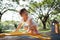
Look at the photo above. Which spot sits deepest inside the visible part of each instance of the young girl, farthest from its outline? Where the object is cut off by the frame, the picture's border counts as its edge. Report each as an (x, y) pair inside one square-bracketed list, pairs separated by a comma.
[(27, 22)]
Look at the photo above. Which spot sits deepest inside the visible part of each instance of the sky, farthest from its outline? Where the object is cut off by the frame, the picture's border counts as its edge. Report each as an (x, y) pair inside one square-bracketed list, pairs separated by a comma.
[(11, 15)]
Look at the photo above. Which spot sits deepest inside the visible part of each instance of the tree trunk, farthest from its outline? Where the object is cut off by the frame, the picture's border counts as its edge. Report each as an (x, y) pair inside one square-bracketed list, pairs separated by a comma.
[(0, 24), (44, 25), (15, 25), (44, 20), (0, 18)]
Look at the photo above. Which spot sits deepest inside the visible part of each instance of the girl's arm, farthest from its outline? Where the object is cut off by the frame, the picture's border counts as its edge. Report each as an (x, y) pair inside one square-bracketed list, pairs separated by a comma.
[(19, 26), (30, 22)]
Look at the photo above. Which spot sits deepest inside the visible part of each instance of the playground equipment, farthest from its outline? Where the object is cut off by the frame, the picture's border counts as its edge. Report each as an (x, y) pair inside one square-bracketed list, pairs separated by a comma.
[(40, 36)]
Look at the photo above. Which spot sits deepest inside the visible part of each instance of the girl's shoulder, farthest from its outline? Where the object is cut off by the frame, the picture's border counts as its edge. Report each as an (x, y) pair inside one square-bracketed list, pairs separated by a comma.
[(21, 20), (30, 17)]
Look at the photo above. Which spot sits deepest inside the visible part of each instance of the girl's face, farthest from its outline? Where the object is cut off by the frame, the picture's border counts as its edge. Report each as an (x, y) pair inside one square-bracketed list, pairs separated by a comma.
[(25, 15)]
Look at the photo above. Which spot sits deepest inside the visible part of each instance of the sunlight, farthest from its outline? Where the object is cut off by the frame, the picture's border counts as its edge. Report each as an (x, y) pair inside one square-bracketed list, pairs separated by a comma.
[(10, 15)]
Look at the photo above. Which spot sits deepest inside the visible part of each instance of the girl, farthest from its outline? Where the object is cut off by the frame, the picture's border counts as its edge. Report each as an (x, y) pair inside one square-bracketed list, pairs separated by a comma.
[(27, 22)]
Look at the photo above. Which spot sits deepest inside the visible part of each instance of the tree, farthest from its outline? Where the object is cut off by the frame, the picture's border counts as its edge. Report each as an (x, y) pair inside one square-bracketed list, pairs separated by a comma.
[(4, 9), (17, 1), (45, 9)]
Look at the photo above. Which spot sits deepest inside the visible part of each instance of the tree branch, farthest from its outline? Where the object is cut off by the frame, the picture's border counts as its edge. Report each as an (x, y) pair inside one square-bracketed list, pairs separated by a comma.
[(3, 9), (10, 10), (52, 5), (4, 12)]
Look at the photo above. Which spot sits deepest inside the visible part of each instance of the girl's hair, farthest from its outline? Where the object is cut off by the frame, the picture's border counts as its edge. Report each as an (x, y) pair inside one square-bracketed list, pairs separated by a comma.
[(22, 10)]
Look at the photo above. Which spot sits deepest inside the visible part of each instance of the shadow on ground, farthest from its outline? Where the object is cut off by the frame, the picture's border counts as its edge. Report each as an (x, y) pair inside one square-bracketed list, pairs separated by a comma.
[(18, 38)]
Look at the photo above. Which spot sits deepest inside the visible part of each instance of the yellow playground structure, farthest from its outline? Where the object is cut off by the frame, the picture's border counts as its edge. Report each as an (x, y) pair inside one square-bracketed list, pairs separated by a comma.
[(40, 36)]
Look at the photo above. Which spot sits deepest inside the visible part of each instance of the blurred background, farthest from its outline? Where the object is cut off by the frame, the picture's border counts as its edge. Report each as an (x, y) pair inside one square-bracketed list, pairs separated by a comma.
[(42, 11)]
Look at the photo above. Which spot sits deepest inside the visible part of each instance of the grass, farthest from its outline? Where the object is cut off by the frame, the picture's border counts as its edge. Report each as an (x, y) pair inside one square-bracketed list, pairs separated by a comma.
[(7, 31), (45, 32)]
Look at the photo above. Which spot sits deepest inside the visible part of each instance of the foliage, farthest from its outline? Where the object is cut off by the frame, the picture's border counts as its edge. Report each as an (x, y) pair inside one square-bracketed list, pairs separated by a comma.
[(1, 26), (45, 9), (5, 7), (8, 26), (17, 1)]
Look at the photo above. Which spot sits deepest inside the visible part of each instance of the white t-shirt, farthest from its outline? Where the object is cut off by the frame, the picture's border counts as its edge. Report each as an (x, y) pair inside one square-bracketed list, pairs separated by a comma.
[(27, 22)]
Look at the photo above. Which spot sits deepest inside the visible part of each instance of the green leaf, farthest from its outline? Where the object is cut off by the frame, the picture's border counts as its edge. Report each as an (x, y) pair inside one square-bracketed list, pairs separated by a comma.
[(23, 0), (17, 1), (55, 12), (31, 9)]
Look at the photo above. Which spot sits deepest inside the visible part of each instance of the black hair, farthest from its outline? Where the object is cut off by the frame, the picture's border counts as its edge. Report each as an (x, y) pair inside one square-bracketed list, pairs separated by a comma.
[(22, 10)]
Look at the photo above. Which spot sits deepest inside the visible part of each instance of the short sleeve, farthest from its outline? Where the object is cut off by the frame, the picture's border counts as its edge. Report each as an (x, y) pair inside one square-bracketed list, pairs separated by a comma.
[(21, 20), (33, 22), (30, 17)]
